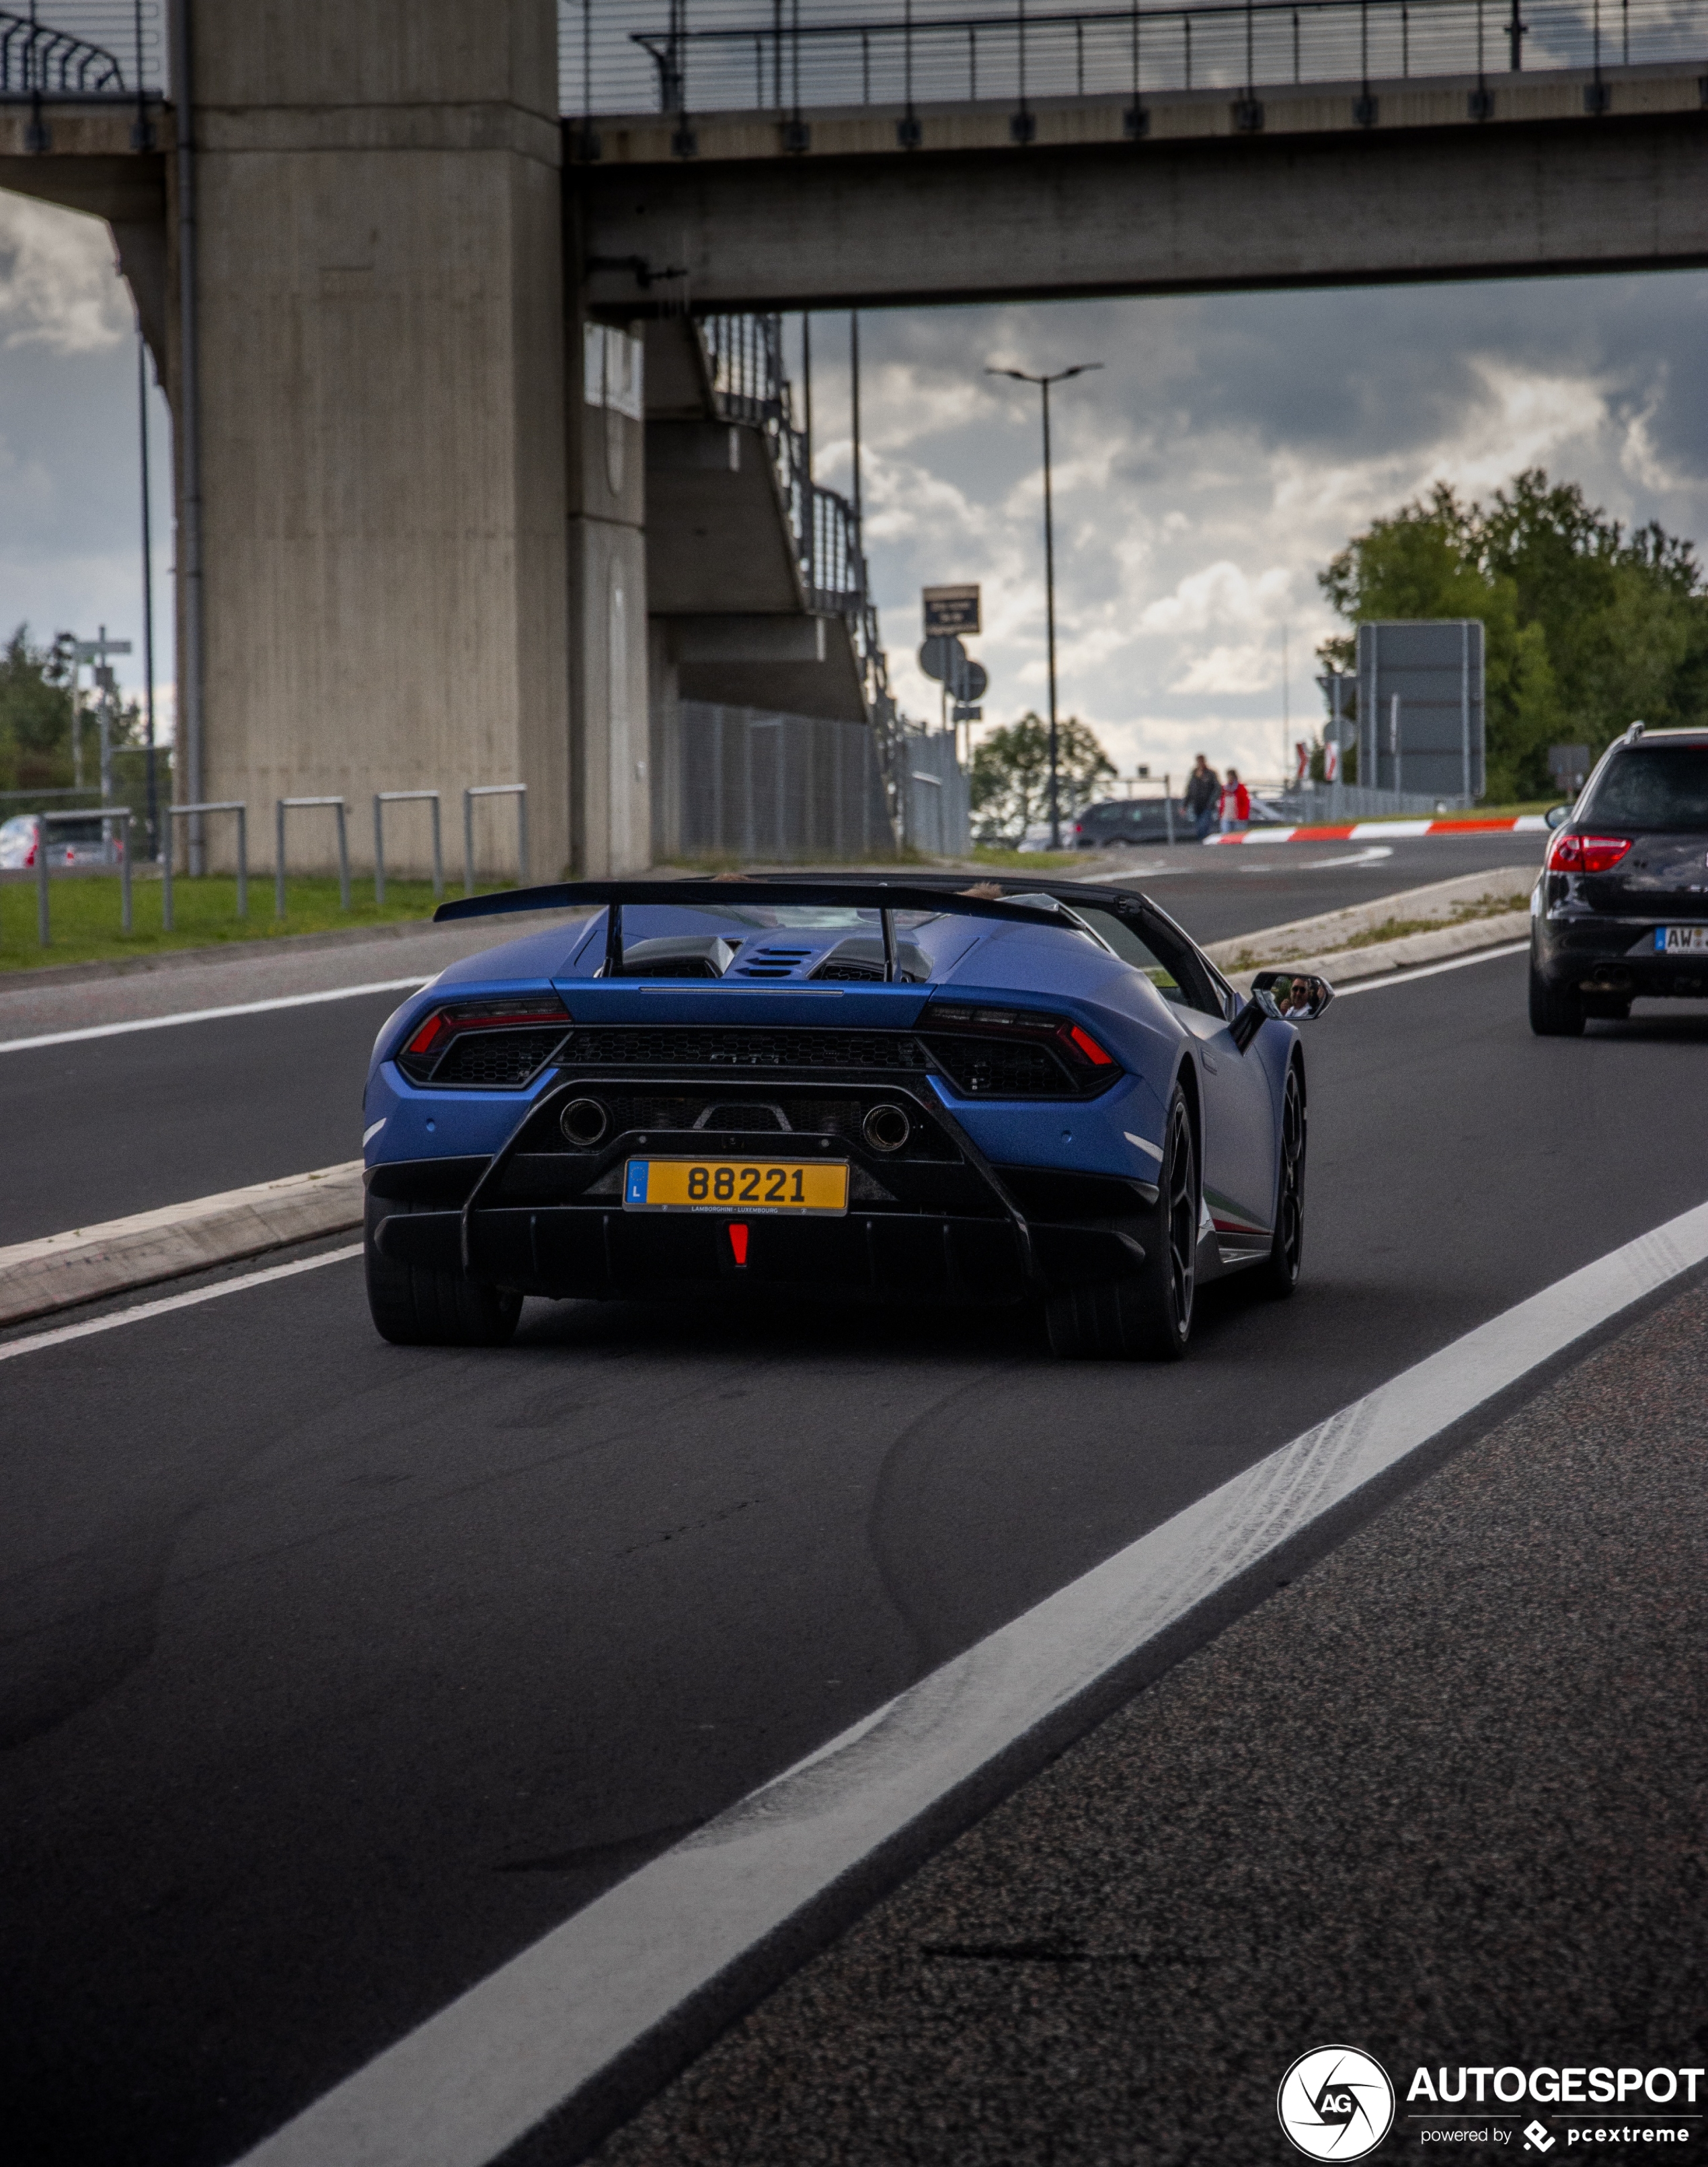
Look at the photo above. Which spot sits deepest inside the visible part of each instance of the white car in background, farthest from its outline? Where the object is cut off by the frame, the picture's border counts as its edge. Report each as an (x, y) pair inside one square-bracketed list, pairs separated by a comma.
[(78, 842)]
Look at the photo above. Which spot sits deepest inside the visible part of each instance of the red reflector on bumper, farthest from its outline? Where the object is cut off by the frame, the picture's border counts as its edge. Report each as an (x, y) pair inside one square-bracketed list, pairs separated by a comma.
[(738, 1246)]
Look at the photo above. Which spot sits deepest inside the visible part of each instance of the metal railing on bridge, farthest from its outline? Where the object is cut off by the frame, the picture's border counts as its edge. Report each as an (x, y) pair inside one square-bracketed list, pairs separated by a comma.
[(82, 49), (721, 56), (744, 355)]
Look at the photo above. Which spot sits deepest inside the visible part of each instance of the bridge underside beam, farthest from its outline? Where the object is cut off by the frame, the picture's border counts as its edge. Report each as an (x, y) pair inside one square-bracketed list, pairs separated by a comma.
[(1214, 213)]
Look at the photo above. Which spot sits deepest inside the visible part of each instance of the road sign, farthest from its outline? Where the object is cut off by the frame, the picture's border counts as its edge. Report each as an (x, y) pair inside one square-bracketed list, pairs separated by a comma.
[(961, 712), (941, 656), (950, 609), (97, 651), (970, 682)]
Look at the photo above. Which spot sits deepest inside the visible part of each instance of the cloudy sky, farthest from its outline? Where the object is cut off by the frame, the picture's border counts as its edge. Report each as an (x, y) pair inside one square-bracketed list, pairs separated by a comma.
[(1226, 448)]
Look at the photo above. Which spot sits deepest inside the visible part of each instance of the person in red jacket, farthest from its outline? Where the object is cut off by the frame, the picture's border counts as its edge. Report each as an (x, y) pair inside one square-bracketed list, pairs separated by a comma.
[(1236, 803)]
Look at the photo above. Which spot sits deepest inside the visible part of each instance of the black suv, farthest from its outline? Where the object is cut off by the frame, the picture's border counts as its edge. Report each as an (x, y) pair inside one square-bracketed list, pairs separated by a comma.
[(1622, 908)]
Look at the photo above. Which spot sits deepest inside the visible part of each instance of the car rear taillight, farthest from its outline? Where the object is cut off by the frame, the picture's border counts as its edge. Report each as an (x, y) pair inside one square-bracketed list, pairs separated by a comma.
[(1068, 1037), (1586, 854), (436, 1030)]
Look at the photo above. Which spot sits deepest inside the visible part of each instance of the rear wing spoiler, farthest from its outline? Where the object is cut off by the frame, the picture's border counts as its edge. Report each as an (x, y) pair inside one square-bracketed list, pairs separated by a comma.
[(982, 899)]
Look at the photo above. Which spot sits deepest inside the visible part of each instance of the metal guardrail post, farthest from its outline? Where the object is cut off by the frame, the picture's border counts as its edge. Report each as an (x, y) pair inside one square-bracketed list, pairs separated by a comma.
[(281, 807), (122, 814), (184, 812), (126, 919), (519, 791), (381, 798)]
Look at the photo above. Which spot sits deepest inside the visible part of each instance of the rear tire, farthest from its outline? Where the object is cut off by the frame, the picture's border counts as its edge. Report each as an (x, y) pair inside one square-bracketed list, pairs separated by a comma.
[(416, 1308), (1147, 1317), (1555, 1011), (1280, 1273)]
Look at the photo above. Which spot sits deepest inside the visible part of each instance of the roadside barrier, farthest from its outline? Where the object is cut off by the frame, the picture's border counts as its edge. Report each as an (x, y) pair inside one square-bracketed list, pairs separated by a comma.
[(381, 798), (175, 812), (295, 804), (519, 791), (121, 814), (1378, 831)]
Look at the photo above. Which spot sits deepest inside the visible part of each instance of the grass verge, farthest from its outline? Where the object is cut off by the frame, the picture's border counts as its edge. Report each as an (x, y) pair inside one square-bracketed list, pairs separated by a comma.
[(1027, 861), (84, 916)]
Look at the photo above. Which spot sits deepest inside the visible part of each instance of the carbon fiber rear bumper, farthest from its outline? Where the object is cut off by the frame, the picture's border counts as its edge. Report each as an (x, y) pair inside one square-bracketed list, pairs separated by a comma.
[(566, 1252)]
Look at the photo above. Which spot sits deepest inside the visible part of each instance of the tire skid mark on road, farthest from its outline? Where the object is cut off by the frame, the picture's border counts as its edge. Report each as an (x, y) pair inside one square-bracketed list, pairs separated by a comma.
[(606, 1997), (927, 1426)]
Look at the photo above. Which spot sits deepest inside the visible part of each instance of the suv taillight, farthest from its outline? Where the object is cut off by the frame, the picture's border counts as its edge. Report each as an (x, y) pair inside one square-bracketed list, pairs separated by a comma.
[(1586, 854)]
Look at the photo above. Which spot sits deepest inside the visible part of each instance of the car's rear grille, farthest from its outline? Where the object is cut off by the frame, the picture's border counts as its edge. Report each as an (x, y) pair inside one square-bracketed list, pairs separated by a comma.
[(985, 1069), (635, 1111), (697, 1047), (495, 1059)]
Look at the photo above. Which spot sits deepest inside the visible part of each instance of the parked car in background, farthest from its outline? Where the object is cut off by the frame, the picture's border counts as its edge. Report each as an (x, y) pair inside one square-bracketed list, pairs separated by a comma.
[(78, 842), (1116, 822), (1621, 910)]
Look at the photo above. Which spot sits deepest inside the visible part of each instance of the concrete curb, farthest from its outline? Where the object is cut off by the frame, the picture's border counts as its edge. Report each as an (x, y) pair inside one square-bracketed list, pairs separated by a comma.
[(1346, 965), (89, 1262), (1330, 932)]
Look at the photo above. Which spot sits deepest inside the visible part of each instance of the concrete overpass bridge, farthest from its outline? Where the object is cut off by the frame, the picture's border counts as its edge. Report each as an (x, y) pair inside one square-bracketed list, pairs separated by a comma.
[(485, 452)]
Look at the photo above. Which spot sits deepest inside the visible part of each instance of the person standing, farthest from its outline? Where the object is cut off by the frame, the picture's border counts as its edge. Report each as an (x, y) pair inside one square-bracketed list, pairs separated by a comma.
[(1236, 804), (1203, 798)]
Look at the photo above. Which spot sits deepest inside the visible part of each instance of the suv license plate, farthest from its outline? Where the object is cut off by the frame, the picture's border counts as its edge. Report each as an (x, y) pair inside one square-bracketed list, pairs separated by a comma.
[(1681, 939), (735, 1184)]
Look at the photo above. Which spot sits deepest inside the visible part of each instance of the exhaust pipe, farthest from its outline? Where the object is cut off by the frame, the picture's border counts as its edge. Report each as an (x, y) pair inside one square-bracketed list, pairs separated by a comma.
[(887, 1128), (583, 1123)]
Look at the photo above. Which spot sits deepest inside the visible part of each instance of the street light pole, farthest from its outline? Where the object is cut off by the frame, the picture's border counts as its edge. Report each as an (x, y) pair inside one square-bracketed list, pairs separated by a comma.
[(1044, 382)]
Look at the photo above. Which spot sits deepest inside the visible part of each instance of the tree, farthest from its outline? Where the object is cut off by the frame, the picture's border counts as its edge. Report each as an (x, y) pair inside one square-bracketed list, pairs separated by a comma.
[(35, 714), (1587, 627), (1011, 776)]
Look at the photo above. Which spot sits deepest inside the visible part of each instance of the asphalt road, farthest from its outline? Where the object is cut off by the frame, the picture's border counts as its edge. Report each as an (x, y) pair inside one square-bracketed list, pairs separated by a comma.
[(114, 1125), (334, 1673)]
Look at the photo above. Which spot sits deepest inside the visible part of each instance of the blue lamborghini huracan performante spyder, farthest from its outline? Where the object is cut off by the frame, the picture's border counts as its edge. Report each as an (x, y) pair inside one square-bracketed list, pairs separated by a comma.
[(899, 1088)]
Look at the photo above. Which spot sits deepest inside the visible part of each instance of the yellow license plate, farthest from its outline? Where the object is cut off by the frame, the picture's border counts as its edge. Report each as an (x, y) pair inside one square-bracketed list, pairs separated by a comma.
[(735, 1184)]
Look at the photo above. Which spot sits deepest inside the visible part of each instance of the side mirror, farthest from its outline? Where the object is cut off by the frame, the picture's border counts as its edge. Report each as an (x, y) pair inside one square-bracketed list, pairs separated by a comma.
[(1557, 815), (1281, 996)]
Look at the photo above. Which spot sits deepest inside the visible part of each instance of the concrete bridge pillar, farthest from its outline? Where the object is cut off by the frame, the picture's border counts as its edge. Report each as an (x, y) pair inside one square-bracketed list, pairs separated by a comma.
[(381, 328), (610, 782)]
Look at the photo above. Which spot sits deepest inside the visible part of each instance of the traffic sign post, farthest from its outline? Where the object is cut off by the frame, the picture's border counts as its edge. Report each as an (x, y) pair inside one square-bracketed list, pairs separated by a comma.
[(97, 651), (941, 655), (950, 609)]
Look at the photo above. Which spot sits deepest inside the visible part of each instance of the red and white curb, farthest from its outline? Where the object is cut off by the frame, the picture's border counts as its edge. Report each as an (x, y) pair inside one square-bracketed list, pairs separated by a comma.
[(1382, 831)]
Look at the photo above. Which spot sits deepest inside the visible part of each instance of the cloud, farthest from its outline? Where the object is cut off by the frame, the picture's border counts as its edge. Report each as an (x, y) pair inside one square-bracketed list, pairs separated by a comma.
[(57, 285)]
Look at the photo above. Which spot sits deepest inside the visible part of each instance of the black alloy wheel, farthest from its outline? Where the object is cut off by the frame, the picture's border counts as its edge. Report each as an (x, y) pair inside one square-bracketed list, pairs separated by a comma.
[(413, 1307), (1287, 1250), (1149, 1316), (1555, 1011)]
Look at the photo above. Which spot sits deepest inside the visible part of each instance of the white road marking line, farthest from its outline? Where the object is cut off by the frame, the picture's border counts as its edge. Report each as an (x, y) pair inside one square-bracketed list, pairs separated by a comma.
[(143, 1310), (466, 2085), (213, 1016), (1373, 855), (1430, 970)]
